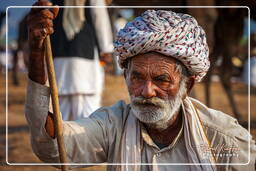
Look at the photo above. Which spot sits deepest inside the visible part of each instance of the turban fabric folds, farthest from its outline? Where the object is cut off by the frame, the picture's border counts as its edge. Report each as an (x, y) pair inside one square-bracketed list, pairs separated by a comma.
[(172, 34)]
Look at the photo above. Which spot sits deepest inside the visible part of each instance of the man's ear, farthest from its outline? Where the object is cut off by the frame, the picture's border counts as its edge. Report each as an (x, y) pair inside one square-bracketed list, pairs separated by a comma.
[(190, 83)]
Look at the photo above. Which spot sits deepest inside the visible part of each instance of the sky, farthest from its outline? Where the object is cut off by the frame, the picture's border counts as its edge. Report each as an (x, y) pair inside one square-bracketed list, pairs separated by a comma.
[(14, 14)]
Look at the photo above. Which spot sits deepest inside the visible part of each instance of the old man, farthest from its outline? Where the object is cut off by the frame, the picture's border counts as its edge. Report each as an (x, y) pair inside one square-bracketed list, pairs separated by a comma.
[(163, 54)]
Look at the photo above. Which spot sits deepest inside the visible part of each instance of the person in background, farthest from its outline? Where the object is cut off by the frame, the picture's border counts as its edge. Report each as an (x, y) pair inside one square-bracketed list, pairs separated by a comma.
[(82, 39)]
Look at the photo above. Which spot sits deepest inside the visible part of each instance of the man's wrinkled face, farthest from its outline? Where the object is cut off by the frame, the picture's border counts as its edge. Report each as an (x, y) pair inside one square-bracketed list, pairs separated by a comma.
[(154, 87)]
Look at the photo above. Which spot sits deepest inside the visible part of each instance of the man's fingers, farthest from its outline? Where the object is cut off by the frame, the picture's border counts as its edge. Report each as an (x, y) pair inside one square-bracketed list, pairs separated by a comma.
[(40, 23), (40, 3), (42, 32), (55, 11), (40, 15), (41, 19), (38, 33), (38, 37), (50, 30), (106, 57), (46, 14), (50, 12)]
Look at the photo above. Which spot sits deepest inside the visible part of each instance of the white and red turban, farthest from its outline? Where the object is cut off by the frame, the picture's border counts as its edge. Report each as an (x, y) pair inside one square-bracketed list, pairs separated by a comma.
[(172, 34)]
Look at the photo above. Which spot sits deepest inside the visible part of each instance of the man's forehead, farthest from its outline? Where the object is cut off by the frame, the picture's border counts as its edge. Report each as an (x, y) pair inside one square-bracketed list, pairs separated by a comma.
[(153, 58), (152, 62)]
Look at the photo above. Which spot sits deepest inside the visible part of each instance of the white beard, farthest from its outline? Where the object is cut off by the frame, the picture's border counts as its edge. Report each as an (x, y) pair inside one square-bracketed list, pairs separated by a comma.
[(157, 112)]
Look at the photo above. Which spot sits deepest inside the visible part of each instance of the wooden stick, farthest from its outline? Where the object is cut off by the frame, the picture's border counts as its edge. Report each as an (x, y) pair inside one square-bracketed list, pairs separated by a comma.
[(55, 103)]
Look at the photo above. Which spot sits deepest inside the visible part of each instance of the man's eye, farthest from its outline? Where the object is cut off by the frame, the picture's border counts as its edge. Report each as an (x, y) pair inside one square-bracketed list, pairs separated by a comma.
[(162, 79), (136, 77)]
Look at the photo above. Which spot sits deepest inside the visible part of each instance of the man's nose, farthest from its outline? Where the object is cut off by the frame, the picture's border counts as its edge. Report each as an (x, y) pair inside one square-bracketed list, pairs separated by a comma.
[(148, 90)]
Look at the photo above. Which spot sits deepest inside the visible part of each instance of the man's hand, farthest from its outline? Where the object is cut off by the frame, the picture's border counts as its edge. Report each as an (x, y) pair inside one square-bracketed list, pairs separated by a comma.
[(106, 57), (40, 24)]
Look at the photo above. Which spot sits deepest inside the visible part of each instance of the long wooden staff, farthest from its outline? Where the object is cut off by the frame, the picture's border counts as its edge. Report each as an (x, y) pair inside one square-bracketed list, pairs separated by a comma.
[(55, 103)]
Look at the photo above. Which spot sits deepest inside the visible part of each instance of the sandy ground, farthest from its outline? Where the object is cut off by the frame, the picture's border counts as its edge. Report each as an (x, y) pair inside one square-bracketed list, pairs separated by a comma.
[(19, 150)]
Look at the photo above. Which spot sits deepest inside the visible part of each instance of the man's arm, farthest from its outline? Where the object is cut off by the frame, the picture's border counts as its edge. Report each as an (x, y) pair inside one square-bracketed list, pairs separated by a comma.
[(40, 25), (80, 138), (85, 140), (102, 25)]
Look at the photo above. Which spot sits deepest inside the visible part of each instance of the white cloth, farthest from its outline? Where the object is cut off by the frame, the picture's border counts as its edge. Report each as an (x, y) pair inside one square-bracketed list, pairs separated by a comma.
[(98, 139), (78, 106), (80, 76), (173, 34), (80, 85), (131, 146), (102, 26), (73, 18), (194, 136)]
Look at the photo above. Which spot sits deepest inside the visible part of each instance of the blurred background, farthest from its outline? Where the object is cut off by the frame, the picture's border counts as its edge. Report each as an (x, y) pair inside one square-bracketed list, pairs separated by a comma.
[(225, 88)]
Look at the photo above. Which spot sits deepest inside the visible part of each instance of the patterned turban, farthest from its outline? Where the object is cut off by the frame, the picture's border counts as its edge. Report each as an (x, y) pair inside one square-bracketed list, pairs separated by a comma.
[(172, 34)]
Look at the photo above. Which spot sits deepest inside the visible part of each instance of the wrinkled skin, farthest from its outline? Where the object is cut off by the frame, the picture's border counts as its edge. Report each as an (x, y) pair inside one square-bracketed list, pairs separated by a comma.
[(40, 25), (153, 75)]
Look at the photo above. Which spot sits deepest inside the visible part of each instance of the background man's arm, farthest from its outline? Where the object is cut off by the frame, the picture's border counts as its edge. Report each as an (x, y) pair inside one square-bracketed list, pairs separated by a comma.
[(102, 25)]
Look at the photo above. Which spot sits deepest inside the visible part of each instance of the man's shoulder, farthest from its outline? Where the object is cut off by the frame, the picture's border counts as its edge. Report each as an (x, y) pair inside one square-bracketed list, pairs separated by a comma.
[(219, 123), (226, 135), (115, 113)]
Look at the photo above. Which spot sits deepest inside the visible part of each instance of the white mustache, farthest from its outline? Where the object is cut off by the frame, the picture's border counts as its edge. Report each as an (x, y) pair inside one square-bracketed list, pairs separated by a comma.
[(154, 101)]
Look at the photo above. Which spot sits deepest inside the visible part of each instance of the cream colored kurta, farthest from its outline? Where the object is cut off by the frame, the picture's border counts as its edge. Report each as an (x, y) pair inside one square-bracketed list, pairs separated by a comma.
[(97, 139)]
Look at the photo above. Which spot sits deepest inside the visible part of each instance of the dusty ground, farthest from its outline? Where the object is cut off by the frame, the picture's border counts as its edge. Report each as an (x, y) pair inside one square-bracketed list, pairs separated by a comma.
[(19, 149)]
